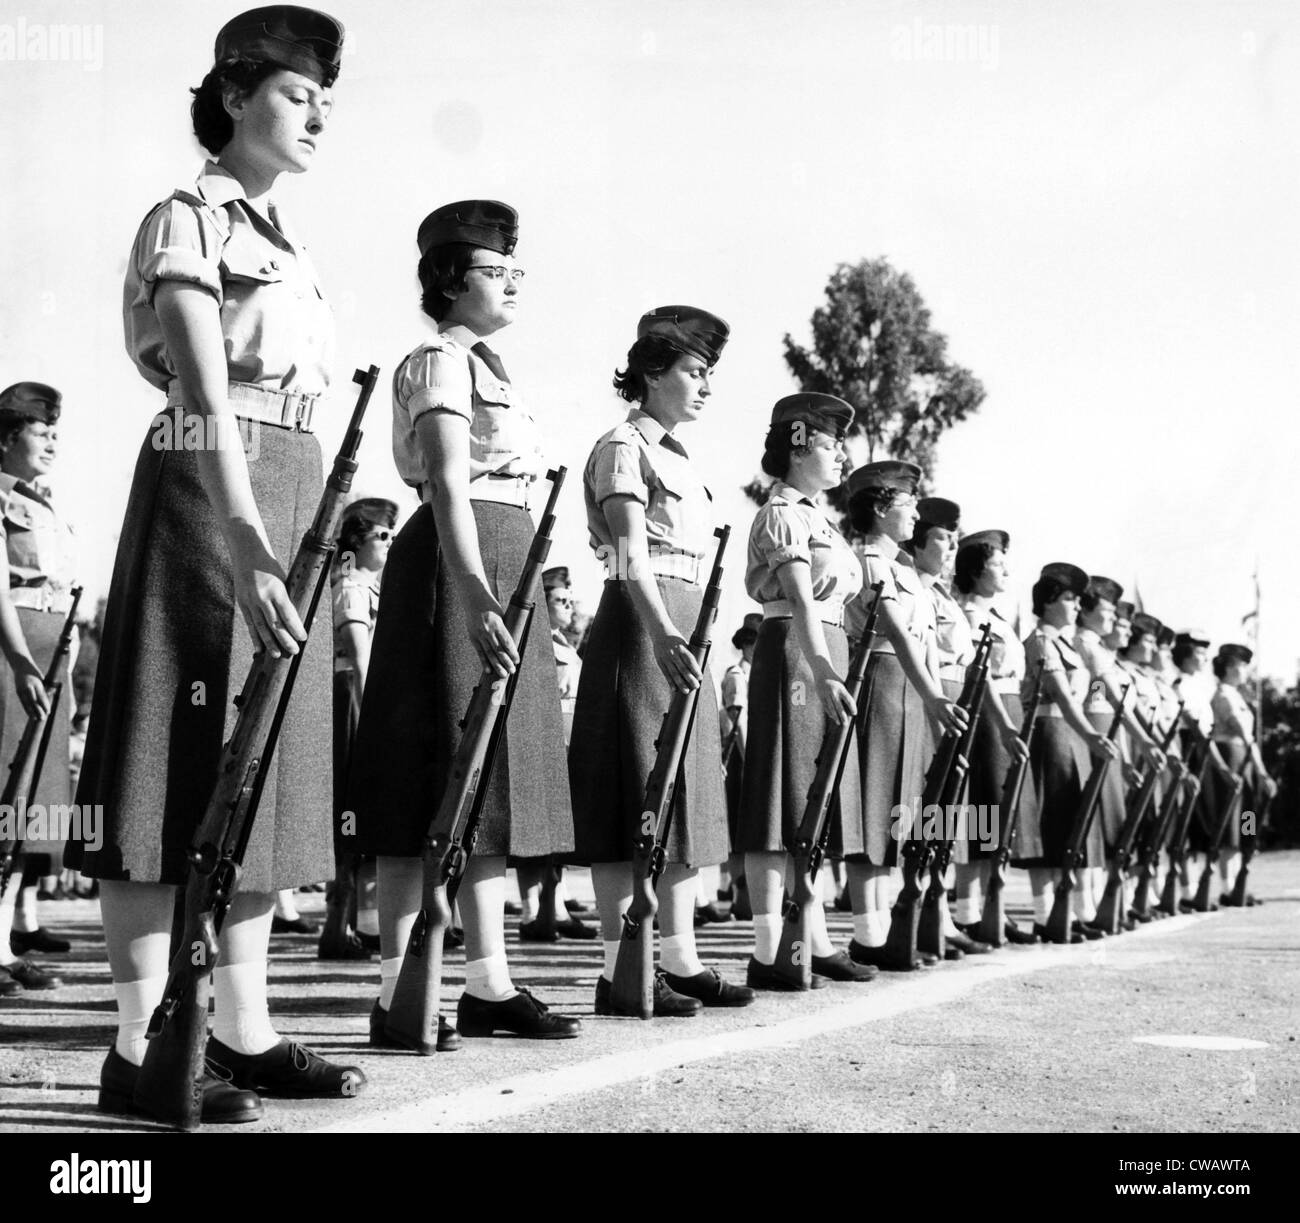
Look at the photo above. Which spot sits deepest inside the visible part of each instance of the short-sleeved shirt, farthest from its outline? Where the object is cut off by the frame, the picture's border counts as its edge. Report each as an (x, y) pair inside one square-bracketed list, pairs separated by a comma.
[(642, 460), (1146, 695), (41, 546), (953, 632), (277, 326), (1100, 662), (1227, 704), (880, 564), (568, 670), (355, 600), (790, 527), (445, 375), (1006, 653), (1058, 655), (1169, 701), (735, 687), (1197, 692)]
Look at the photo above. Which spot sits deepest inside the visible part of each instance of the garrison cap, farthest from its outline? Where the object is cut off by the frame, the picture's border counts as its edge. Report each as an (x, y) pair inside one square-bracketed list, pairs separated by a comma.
[(937, 512), (300, 39), (894, 474), (1193, 637), (688, 329), (31, 400), (1124, 610), (1105, 588), (556, 578), (1235, 653), (486, 223), (826, 413), (995, 539), (377, 510), (1070, 576), (1145, 624), (748, 631)]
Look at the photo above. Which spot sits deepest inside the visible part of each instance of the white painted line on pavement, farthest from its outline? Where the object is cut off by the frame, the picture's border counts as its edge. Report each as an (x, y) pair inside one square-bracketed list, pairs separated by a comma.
[(525, 1093), (1217, 1043)]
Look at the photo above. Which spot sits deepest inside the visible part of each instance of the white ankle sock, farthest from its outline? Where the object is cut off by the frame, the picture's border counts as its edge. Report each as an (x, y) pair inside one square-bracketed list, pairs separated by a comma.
[(25, 919), (821, 940), (389, 970), (967, 910), (136, 1001), (767, 936), (368, 922), (241, 1020), (489, 978), (611, 957), (949, 926), (677, 955), (1043, 906), (1081, 905)]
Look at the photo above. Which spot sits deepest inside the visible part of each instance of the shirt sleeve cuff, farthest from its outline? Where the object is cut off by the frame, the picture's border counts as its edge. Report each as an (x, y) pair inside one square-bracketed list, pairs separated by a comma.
[(187, 266)]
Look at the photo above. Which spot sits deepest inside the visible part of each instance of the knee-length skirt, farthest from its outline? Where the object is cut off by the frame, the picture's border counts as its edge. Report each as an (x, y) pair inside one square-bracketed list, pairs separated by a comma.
[(622, 699), (787, 728), (423, 671), (1219, 791), (1060, 764), (1110, 810), (895, 743), (174, 654), (41, 631), (989, 765)]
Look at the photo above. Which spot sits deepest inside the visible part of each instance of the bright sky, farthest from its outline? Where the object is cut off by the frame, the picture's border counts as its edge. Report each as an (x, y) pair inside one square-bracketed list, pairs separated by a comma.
[(1097, 201)]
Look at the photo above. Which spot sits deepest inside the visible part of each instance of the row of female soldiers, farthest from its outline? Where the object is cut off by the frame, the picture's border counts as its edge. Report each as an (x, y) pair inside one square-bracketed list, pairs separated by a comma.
[(225, 317)]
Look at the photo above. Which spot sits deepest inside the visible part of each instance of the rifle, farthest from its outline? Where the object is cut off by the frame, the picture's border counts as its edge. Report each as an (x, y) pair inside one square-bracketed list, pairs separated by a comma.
[(943, 785), (170, 1083), (794, 953), (1178, 842), (29, 760), (1149, 854), (632, 990), (1202, 903), (733, 735), (1238, 897), (1058, 922), (1110, 912), (993, 919), (413, 1016), (929, 930)]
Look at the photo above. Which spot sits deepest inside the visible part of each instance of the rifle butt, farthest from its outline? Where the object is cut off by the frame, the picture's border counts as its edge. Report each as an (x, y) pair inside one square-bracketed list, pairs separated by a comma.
[(632, 990), (929, 926), (1202, 902), (1142, 892), (793, 962), (900, 944), (1238, 894), (1058, 921), (1110, 909), (169, 1087), (993, 917), (413, 1014), (1169, 893)]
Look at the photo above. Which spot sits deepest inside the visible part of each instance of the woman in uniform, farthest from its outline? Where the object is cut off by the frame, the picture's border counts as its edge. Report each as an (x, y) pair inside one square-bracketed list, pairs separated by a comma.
[(224, 315), (895, 734), (465, 440), (980, 575), (651, 522), (40, 557), (1063, 740), (803, 573)]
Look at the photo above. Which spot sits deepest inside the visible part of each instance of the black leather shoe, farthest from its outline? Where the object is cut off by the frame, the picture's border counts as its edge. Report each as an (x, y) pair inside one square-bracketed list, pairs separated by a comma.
[(8, 986), (967, 944), (709, 987), (838, 967), (1141, 918), (1021, 938), (575, 929), (538, 932), (287, 1069), (298, 925), (448, 1037), (30, 976), (369, 941), (668, 1003), (576, 907), (513, 908), (765, 976), (222, 1103), (859, 953), (23, 941), (453, 939), (711, 914), (1041, 931), (349, 947), (1088, 930), (522, 1015)]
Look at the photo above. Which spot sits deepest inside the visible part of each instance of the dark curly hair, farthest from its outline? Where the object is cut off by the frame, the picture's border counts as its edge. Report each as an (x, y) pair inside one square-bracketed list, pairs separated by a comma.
[(1048, 590), (649, 357), (443, 268), (970, 564), (213, 126), (779, 445), (866, 504)]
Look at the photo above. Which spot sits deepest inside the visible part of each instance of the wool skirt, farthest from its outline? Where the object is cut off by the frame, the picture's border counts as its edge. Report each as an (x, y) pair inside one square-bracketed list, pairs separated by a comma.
[(1219, 792), (41, 631), (174, 655), (1060, 764), (895, 744), (423, 671), (989, 765), (1110, 811), (622, 700), (787, 727)]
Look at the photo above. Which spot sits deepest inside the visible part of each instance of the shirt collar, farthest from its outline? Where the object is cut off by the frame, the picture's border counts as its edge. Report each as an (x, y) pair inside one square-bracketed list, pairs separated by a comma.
[(35, 488), (218, 186), (790, 493), (461, 334), (1087, 634), (654, 432)]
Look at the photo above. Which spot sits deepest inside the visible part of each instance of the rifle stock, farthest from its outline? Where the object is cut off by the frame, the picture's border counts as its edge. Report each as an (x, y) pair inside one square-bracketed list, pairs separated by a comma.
[(413, 1013), (1202, 903), (993, 917), (632, 990), (169, 1086), (794, 952), (1149, 854), (1058, 921), (1178, 841)]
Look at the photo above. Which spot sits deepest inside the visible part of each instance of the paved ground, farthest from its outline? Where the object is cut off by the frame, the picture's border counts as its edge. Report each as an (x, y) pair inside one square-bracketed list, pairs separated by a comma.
[(1030, 1039)]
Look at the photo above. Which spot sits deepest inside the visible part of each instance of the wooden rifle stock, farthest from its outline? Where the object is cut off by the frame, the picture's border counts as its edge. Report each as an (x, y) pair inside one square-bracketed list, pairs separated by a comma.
[(413, 1014), (1058, 922), (1238, 896), (169, 1085), (1202, 903), (1194, 784), (1149, 853), (632, 990), (794, 952), (29, 760), (993, 918)]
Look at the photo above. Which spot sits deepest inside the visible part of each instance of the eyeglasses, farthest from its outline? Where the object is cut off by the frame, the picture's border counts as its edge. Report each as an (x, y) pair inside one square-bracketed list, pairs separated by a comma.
[(498, 271), (561, 600)]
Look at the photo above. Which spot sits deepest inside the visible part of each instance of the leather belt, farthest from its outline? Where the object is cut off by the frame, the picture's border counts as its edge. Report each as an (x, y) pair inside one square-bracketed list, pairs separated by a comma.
[(284, 409), (953, 670), (780, 609), (504, 490), (45, 597), (1007, 684)]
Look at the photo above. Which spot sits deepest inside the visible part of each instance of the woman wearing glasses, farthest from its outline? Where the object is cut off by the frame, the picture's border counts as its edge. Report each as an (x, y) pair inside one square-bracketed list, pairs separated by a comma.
[(463, 439), (651, 521)]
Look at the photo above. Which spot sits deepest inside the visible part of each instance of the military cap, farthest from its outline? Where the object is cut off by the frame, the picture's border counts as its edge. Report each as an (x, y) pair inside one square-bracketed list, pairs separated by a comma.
[(748, 631), (995, 539), (1124, 610), (887, 474), (1105, 588), (687, 329), (487, 223), (1070, 576), (31, 401), (1193, 637), (300, 39), (556, 578), (1145, 624), (938, 512), (1235, 653), (1166, 636), (826, 413), (371, 509)]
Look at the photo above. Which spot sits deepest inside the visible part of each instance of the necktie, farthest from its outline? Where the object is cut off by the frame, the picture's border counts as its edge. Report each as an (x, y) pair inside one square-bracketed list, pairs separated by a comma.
[(491, 360)]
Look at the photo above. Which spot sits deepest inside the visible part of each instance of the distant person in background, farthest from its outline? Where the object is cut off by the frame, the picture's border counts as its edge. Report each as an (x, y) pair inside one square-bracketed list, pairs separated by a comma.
[(733, 716)]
